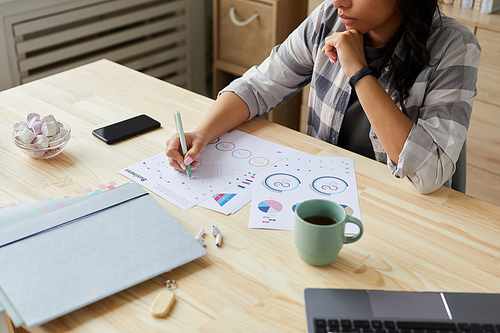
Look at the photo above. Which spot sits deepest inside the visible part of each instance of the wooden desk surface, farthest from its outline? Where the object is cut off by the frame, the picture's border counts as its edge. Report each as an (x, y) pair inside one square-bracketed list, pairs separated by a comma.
[(445, 241)]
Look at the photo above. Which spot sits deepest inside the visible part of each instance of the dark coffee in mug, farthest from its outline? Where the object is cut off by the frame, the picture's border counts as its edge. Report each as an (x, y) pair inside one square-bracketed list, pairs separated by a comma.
[(320, 220), (319, 231)]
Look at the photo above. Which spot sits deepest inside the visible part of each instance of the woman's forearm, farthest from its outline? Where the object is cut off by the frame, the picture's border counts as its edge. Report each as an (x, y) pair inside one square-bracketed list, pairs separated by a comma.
[(390, 124), (228, 112)]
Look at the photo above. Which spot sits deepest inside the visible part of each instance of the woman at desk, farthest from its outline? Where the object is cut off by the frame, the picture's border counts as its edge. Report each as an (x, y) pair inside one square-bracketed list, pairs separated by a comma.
[(393, 80)]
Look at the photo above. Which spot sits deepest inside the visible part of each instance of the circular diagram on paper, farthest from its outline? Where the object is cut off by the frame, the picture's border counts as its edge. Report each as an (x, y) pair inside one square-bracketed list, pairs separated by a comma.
[(270, 206), (328, 185), (214, 142), (348, 210), (258, 162), (225, 146), (279, 182), (241, 153), (294, 207)]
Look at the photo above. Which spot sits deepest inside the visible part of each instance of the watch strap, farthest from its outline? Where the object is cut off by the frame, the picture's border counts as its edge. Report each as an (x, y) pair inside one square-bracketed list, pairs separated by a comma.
[(368, 70)]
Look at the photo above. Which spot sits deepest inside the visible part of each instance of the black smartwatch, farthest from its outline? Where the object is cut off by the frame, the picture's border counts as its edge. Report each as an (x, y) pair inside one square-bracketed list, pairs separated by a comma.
[(368, 70)]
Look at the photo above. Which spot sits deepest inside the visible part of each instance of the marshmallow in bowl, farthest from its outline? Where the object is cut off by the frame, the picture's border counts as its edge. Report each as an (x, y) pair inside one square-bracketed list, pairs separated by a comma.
[(20, 126), (32, 120), (36, 126), (39, 131), (26, 135), (50, 128), (62, 131), (41, 141), (32, 116), (49, 118), (53, 139)]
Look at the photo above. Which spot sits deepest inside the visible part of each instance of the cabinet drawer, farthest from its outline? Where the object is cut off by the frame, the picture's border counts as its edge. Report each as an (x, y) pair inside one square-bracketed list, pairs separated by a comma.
[(246, 45)]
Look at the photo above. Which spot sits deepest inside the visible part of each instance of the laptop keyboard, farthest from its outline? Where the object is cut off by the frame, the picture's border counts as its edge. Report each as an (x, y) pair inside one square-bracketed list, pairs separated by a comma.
[(380, 326)]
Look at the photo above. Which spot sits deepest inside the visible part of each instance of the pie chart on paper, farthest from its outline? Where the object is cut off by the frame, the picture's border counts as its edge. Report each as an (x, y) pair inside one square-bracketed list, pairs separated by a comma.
[(270, 206)]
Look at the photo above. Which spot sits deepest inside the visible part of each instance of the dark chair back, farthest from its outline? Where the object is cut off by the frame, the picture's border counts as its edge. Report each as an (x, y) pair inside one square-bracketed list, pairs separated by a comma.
[(459, 178)]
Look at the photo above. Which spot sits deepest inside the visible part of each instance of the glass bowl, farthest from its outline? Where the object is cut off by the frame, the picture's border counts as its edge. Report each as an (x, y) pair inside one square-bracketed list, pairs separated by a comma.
[(39, 152)]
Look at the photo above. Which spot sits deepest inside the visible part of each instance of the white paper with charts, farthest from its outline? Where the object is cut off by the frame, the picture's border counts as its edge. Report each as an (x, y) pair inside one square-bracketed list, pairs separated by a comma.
[(223, 179), (283, 186)]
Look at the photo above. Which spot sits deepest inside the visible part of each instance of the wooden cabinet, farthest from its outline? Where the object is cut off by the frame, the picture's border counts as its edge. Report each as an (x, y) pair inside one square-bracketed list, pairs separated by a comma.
[(249, 44), (245, 31)]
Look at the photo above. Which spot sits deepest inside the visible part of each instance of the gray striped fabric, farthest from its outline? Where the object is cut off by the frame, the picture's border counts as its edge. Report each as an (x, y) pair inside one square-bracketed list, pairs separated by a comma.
[(440, 102)]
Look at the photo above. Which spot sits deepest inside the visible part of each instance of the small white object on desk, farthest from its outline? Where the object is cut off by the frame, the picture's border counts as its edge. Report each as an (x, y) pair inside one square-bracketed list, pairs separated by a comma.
[(218, 235), (218, 239), (199, 237), (215, 230)]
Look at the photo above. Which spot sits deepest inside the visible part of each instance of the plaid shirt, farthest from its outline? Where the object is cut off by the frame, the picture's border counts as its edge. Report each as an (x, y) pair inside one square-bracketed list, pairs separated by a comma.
[(439, 104)]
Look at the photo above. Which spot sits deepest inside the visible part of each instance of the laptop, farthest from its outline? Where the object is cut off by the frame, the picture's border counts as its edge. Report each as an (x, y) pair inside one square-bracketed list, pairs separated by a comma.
[(377, 311)]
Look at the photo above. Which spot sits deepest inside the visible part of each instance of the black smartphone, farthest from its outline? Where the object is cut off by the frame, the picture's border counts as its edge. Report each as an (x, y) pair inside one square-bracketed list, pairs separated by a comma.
[(126, 129)]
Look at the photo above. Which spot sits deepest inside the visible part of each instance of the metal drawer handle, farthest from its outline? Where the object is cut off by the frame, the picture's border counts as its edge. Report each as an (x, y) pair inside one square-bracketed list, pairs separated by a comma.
[(232, 9)]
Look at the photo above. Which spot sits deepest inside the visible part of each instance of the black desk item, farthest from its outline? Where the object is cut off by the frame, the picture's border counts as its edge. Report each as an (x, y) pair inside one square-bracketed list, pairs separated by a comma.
[(376, 311)]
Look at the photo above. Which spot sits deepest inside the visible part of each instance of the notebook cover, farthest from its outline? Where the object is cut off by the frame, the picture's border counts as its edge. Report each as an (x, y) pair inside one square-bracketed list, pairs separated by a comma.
[(52, 273)]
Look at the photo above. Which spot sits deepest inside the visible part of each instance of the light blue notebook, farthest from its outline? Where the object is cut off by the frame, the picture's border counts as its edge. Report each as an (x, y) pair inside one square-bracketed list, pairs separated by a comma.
[(71, 257)]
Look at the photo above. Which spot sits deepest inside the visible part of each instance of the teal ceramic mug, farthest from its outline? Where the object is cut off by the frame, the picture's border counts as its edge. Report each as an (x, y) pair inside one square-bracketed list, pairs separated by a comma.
[(319, 231)]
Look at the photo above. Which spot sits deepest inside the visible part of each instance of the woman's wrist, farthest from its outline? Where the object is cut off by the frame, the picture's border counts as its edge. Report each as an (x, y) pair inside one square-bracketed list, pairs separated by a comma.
[(203, 136), (368, 70)]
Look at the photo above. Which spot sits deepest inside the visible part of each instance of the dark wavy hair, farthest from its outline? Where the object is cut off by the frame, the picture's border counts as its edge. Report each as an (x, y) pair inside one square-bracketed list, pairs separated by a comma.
[(413, 34)]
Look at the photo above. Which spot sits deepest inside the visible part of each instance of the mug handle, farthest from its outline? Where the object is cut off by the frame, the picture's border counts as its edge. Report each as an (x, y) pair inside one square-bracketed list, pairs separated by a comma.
[(357, 222)]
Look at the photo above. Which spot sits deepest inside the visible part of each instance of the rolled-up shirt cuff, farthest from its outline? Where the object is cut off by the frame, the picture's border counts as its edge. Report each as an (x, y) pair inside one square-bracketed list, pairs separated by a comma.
[(245, 92)]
